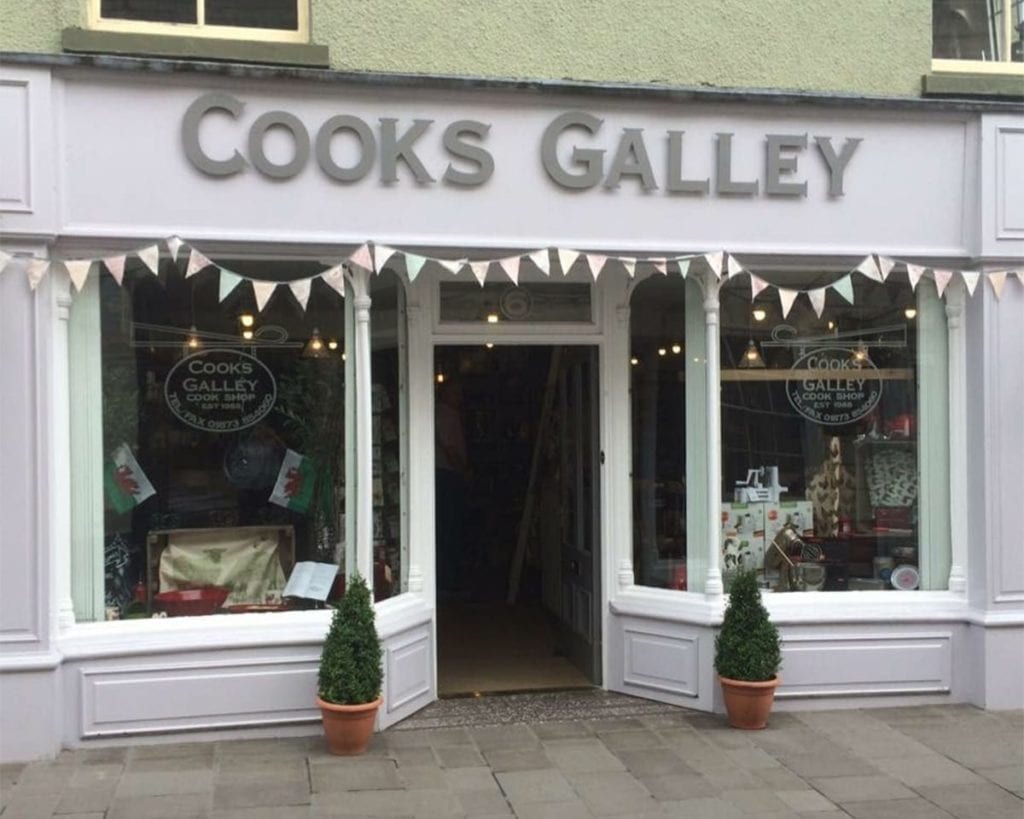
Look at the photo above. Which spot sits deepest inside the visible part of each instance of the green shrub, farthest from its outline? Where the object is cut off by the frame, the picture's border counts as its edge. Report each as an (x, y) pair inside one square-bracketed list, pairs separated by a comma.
[(747, 647), (350, 665)]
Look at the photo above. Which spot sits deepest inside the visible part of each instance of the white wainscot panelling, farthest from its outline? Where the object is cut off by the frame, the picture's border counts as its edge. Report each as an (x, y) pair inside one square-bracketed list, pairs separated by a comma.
[(822, 665), (660, 659), (194, 695), (1009, 189), (408, 674), (15, 146), (28, 204)]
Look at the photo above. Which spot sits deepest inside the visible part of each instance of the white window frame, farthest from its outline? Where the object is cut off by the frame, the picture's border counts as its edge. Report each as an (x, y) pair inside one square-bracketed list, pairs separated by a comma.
[(97, 22), (1004, 65)]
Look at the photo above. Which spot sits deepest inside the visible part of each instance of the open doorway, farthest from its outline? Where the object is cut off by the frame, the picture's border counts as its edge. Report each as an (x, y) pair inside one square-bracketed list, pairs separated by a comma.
[(517, 531)]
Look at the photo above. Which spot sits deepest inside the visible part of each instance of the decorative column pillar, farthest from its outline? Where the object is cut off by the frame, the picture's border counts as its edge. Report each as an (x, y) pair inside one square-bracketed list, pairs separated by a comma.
[(60, 503), (360, 281), (618, 467), (713, 410), (420, 444), (957, 438)]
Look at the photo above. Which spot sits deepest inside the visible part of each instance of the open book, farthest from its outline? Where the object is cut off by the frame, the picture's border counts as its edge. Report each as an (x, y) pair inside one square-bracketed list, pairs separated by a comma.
[(311, 580)]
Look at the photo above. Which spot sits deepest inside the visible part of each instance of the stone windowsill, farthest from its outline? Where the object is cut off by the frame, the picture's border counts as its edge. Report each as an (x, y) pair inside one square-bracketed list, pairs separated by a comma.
[(992, 86)]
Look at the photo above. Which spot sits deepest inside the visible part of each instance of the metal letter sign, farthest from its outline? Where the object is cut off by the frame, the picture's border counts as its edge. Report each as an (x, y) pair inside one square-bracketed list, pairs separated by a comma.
[(220, 390), (832, 389)]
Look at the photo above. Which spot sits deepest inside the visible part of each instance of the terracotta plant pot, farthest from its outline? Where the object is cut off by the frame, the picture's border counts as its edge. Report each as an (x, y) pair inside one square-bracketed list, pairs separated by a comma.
[(348, 728), (747, 704)]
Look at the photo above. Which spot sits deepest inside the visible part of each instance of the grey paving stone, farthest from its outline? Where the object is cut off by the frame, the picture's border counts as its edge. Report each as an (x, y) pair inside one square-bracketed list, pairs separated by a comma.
[(169, 764), (728, 739), (414, 738), (983, 801), (608, 726), (649, 762), (846, 789), (517, 759), (179, 806), (43, 778), (423, 777), (927, 770), (472, 780), (613, 793), (459, 756), (731, 778), (705, 808), (363, 803), (810, 766), (90, 815), (915, 808), (158, 783), (86, 800), (99, 756), (780, 779), (621, 740), (434, 804), (804, 801), (190, 750), (561, 730), (354, 774), (446, 737), (484, 803), (253, 795), (1010, 777), (571, 809), (752, 759), (580, 755), (504, 737), (754, 800), (32, 806), (674, 787), (95, 776), (525, 787), (270, 746), (277, 812), (408, 757)]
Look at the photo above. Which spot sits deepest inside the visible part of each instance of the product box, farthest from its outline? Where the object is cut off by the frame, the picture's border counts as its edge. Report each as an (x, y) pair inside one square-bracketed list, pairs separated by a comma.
[(798, 513), (742, 536)]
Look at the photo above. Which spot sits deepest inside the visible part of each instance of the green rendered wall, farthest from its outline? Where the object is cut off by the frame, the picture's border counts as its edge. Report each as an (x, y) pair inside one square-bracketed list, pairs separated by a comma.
[(865, 47)]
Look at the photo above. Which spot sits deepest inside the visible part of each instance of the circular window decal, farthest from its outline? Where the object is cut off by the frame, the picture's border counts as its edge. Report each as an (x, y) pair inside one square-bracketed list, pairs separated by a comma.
[(220, 390), (826, 386), (516, 303)]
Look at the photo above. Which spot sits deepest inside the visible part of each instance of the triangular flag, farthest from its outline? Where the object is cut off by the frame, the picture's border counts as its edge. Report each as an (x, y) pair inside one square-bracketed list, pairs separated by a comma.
[(381, 255), (997, 280), (844, 287), (453, 266), (174, 245), (630, 265), (150, 257), (115, 264), (542, 259), (942, 278), (566, 259), (684, 265), (263, 291), (869, 268), (971, 280), (817, 298), (714, 261), (335, 277), (734, 266), (885, 266), (1018, 273), (757, 284), (228, 282), (511, 267), (413, 265), (35, 270), (597, 263), (300, 289), (4, 259), (78, 270), (362, 258), (196, 262), (661, 265), (787, 297), (480, 271), (914, 273)]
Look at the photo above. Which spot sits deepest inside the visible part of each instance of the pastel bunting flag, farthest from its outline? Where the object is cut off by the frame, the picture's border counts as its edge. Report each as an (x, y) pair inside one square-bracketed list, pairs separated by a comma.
[(542, 259), (453, 266), (566, 259), (115, 264), (914, 274), (661, 265), (413, 265), (817, 298), (844, 287), (885, 266), (597, 263), (78, 270), (382, 255), (150, 257), (511, 267), (997, 280), (263, 291), (362, 258), (714, 261), (942, 279), (757, 284), (869, 268), (174, 245), (196, 262), (300, 289), (36, 269), (971, 279), (787, 297), (684, 265), (480, 271), (630, 264), (335, 278), (228, 282), (4, 259), (734, 266)]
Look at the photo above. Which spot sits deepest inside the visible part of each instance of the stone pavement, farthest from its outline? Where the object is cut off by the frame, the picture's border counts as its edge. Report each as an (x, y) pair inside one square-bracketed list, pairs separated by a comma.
[(906, 762)]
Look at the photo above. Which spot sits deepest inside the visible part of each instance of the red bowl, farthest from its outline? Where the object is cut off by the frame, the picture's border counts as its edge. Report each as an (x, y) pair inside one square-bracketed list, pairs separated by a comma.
[(191, 602)]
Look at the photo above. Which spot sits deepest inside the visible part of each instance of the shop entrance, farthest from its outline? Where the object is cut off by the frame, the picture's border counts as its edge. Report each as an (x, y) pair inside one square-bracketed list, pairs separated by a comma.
[(517, 529)]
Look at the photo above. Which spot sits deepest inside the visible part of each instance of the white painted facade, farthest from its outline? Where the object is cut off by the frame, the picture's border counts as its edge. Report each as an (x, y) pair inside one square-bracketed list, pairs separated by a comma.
[(92, 164)]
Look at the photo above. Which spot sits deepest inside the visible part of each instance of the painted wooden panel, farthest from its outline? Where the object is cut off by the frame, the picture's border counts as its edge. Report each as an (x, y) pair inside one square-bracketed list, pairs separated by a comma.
[(408, 674), (1009, 190), (15, 146), (659, 661)]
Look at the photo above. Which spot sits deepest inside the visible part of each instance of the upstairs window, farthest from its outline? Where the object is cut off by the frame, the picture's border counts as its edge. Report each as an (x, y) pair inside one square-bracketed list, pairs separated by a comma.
[(978, 36), (268, 20)]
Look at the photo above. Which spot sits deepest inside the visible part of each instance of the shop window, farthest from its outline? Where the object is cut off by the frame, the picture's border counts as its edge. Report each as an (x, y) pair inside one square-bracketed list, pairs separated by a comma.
[(215, 461), (835, 438), (978, 35), (270, 20), (503, 304), (667, 378)]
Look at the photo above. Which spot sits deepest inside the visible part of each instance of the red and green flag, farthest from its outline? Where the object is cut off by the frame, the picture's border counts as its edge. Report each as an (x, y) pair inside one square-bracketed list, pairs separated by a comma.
[(126, 484), (296, 482)]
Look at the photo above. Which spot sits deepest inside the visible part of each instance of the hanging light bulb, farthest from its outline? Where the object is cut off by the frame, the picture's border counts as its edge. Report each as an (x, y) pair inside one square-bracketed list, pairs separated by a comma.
[(246, 319), (247, 335), (759, 314), (910, 312), (634, 361), (332, 345), (677, 349), (315, 347), (492, 318), (751, 359), (489, 345), (193, 342), (440, 378), (860, 354), (662, 351)]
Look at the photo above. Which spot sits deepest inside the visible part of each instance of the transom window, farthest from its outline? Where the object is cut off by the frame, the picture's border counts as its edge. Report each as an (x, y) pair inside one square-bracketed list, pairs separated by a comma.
[(978, 36), (271, 20)]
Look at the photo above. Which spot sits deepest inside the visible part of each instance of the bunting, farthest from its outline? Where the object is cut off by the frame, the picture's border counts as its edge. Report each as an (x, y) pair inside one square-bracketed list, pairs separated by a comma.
[(942, 279), (885, 266), (413, 265), (511, 267), (115, 264), (734, 266), (150, 257), (300, 289), (196, 262), (174, 245), (542, 259), (869, 269), (262, 291), (382, 254), (844, 287), (971, 280), (597, 263), (629, 263), (335, 278), (78, 270), (714, 261), (997, 280), (453, 266), (4, 259), (228, 282), (566, 259), (786, 298), (480, 271), (362, 258), (817, 298), (757, 285), (914, 274), (684, 266), (36, 270)]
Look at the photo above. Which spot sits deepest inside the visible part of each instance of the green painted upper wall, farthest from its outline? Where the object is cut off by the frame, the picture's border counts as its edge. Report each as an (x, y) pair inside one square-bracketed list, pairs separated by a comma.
[(868, 47)]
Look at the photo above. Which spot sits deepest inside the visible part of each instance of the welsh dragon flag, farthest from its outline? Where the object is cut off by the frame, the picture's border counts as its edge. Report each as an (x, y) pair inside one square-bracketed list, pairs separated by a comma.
[(296, 482), (126, 484)]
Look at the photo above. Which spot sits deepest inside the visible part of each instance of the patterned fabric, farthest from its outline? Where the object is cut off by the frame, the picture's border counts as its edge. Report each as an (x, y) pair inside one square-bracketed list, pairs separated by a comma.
[(116, 569), (832, 490)]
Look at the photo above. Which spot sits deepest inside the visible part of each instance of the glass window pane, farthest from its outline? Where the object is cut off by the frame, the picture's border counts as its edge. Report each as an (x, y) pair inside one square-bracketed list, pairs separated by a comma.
[(153, 11), (506, 303), (820, 447), (224, 441), (966, 29), (276, 14)]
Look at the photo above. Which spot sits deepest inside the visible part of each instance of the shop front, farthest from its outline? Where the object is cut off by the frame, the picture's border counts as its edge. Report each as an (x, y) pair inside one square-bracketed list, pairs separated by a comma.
[(548, 369)]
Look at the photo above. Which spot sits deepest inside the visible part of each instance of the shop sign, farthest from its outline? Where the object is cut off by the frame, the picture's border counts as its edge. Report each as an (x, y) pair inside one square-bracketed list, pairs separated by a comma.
[(828, 387), (220, 390)]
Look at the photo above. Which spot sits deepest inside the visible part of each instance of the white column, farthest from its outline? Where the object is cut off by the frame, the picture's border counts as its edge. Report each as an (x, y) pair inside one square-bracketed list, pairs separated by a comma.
[(360, 280), (60, 287), (958, 440), (713, 409), (421, 448), (616, 474)]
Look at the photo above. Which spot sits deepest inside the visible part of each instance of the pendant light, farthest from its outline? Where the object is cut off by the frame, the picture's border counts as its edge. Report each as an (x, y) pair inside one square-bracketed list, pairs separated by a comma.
[(751, 359), (315, 347), (192, 342), (860, 354)]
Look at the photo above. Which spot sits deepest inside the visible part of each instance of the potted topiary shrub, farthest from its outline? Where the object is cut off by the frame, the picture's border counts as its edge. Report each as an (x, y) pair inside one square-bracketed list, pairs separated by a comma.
[(747, 655), (348, 688)]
